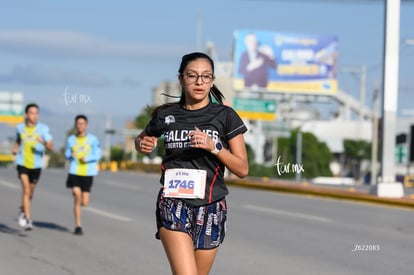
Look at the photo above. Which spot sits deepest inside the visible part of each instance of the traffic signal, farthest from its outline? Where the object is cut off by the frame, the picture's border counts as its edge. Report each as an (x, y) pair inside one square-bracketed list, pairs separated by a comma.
[(411, 143), (401, 139)]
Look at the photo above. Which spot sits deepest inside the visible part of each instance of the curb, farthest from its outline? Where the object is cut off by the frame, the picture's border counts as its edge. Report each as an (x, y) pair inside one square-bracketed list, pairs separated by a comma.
[(306, 189)]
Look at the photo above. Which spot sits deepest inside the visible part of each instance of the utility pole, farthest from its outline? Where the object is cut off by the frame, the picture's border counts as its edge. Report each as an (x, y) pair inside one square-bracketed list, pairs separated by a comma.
[(388, 186), (199, 31), (409, 42), (374, 146), (363, 90), (108, 132), (298, 175), (362, 71)]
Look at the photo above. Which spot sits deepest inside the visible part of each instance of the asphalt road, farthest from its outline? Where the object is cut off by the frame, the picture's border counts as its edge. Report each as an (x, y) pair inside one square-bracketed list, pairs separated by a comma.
[(268, 232)]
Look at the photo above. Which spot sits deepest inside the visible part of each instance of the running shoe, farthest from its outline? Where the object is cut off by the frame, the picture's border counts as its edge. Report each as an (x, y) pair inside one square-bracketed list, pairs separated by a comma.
[(78, 231), (29, 225), (21, 219)]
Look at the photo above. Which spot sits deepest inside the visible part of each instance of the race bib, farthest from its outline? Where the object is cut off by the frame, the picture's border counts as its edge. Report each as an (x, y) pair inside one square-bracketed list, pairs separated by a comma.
[(185, 183)]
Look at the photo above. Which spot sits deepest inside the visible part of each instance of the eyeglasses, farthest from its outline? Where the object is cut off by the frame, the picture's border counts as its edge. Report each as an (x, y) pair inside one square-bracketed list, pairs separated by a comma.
[(192, 78)]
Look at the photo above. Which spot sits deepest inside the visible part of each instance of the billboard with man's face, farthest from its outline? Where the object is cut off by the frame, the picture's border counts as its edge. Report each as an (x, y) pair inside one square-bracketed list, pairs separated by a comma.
[(284, 62)]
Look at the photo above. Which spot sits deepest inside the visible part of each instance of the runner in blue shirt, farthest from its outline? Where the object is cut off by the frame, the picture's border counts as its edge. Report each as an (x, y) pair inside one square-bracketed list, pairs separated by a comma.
[(84, 152), (33, 138)]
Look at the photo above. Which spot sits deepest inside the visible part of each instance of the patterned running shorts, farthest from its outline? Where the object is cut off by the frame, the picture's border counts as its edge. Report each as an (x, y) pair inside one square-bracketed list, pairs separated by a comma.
[(206, 225)]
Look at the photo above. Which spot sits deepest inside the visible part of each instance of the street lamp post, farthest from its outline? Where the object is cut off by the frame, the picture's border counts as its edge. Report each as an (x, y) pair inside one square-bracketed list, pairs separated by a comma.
[(362, 71), (374, 146), (108, 132), (388, 186), (299, 152)]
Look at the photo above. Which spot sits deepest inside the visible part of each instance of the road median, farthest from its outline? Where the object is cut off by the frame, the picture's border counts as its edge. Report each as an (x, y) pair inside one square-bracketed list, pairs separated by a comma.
[(343, 192)]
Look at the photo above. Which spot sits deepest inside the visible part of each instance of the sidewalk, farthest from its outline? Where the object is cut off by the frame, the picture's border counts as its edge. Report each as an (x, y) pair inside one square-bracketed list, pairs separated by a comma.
[(357, 192)]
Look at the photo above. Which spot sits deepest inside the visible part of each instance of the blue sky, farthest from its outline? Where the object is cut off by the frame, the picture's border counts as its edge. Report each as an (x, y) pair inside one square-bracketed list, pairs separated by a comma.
[(110, 54)]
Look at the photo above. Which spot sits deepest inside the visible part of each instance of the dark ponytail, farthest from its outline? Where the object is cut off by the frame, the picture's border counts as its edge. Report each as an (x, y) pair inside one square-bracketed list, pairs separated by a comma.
[(216, 94)]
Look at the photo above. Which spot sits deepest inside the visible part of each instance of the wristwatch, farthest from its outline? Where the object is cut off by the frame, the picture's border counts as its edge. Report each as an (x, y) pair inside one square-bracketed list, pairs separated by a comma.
[(217, 147)]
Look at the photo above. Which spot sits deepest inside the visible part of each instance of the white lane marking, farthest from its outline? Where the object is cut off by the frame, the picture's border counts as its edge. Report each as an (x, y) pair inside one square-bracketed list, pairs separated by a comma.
[(9, 184), (286, 213), (90, 209), (121, 185), (107, 214)]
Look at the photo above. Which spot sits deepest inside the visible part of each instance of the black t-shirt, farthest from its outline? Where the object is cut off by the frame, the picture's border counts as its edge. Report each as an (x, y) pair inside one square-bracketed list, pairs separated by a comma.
[(220, 122)]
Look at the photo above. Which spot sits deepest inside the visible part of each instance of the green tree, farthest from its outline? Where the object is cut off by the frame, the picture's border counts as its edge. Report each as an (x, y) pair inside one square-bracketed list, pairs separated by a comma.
[(250, 154), (57, 158), (258, 170), (355, 152), (117, 153), (144, 117), (141, 121), (316, 156)]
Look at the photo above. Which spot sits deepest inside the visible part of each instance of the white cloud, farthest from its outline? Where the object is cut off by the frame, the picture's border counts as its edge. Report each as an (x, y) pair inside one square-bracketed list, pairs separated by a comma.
[(65, 44), (41, 75), (130, 82)]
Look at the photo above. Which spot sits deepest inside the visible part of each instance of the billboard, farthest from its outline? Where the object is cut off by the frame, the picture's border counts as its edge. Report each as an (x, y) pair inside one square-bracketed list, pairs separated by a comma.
[(11, 107), (284, 62)]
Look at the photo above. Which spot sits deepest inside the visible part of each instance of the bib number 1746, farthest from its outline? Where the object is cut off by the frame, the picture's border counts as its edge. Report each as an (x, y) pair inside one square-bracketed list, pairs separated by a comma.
[(184, 183), (174, 184)]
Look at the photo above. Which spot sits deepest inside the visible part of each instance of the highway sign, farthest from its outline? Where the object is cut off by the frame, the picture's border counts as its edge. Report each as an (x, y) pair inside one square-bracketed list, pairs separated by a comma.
[(401, 153), (11, 107), (255, 108)]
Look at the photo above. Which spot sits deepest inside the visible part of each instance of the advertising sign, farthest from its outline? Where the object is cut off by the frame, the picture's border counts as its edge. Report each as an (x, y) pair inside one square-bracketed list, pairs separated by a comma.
[(11, 107), (284, 62)]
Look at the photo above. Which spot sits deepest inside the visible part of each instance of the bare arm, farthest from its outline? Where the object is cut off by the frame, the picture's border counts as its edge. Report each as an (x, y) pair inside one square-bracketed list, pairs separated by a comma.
[(145, 144), (48, 144), (235, 159), (15, 148)]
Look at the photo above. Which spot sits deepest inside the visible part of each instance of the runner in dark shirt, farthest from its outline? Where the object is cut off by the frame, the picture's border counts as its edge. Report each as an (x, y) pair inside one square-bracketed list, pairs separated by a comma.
[(201, 139)]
